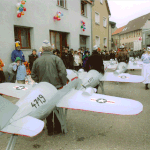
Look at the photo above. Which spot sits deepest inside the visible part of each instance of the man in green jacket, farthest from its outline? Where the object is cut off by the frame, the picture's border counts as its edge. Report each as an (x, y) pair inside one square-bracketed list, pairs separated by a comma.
[(50, 68)]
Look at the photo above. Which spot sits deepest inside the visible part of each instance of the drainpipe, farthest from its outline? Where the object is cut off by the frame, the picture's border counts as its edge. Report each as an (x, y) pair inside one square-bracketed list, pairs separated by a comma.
[(92, 26), (108, 33)]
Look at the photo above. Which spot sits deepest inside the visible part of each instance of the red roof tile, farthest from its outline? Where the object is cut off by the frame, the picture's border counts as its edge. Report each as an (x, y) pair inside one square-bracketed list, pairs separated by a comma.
[(118, 30)]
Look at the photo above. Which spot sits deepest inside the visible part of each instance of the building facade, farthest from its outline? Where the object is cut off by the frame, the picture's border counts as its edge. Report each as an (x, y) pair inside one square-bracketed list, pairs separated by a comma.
[(146, 35), (116, 38), (38, 23), (132, 33), (100, 24)]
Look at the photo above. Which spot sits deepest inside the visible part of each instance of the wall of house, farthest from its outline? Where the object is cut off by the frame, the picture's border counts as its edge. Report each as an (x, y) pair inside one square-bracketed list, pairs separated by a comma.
[(116, 42), (110, 32), (129, 38), (39, 17), (100, 30)]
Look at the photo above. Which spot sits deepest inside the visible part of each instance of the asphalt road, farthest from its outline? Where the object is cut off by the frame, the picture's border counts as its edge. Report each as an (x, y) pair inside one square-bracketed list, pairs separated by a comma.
[(98, 131)]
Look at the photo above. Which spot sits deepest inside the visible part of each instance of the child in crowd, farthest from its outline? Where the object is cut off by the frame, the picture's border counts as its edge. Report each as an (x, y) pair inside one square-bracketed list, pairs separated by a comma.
[(21, 71), (2, 76)]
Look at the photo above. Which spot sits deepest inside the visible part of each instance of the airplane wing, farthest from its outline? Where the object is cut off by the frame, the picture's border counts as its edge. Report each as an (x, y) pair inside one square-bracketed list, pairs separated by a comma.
[(123, 77), (77, 100), (14, 90), (134, 65), (27, 126)]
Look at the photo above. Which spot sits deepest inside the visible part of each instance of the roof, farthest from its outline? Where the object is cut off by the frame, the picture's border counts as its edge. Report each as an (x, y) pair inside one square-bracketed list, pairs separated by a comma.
[(136, 24), (87, 1), (107, 7), (118, 30)]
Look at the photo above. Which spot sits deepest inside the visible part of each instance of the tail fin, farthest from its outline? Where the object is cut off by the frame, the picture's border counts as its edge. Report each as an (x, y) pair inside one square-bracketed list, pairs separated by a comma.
[(7, 110)]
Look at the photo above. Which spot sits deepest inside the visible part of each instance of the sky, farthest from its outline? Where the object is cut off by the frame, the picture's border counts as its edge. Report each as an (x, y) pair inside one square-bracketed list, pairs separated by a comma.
[(123, 11)]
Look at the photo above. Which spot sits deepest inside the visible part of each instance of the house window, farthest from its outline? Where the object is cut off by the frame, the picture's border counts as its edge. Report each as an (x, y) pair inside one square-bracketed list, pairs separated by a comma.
[(97, 18), (101, 1), (23, 35), (83, 8), (83, 41), (97, 41), (62, 3), (105, 42), (58, 39), (104, 21)]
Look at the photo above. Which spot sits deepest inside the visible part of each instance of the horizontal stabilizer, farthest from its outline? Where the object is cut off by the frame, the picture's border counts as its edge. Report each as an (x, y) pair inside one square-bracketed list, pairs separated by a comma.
[(14, 90), (27, 126), (100, 103), (123, 77), (7, 110)]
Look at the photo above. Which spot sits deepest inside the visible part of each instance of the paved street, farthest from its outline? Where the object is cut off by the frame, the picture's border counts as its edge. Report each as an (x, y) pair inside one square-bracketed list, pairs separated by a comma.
[(97, 131)]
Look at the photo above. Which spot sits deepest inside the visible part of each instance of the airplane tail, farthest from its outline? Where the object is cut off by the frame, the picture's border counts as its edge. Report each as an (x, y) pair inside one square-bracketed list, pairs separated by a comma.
[(7, 110)]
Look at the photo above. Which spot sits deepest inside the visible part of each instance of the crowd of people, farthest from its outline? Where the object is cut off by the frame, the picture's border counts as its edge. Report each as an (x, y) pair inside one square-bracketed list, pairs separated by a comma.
[(72, 59)]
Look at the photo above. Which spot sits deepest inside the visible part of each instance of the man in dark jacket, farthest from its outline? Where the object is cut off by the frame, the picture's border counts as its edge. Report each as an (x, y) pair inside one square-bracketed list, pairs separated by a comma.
[(65, 58), (123, 56), (95, 61), (50, 68), (17, 53), (32, 58), (112, 55)]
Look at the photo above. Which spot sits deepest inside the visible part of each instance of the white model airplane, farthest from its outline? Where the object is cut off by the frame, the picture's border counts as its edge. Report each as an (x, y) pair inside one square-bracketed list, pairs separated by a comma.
[(38, 101), (135, 63)]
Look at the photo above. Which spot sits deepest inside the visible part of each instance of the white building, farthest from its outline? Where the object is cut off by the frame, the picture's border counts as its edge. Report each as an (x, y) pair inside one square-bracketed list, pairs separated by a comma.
[(38, 24)]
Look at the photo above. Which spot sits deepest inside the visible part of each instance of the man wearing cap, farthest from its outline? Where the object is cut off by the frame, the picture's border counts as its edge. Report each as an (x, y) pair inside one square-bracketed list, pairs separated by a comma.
[(17, 53), (146, 68), (50, 68), (95, 62)]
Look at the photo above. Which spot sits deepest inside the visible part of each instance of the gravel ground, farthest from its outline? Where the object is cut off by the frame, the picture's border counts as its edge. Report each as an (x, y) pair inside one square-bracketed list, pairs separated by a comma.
[(97, 131)]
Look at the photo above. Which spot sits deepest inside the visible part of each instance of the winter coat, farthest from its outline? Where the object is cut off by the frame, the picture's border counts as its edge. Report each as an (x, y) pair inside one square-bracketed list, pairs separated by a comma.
[(95, 61), (131, 54), (123, 57), (10, 68), (107, 57), (49, 68), (77, 60), (21, 71), (17, 53), (71, 60), (66, 59), (32, 58), (85, 59), (112, 56)]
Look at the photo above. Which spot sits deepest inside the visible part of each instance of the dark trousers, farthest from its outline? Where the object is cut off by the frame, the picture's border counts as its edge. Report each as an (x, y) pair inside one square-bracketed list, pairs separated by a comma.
[(53, 127), (2, 77)]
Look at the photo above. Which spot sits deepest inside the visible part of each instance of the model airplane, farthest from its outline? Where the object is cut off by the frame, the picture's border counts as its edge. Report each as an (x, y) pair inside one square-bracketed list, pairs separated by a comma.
[(134, 63), (38, 101)]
